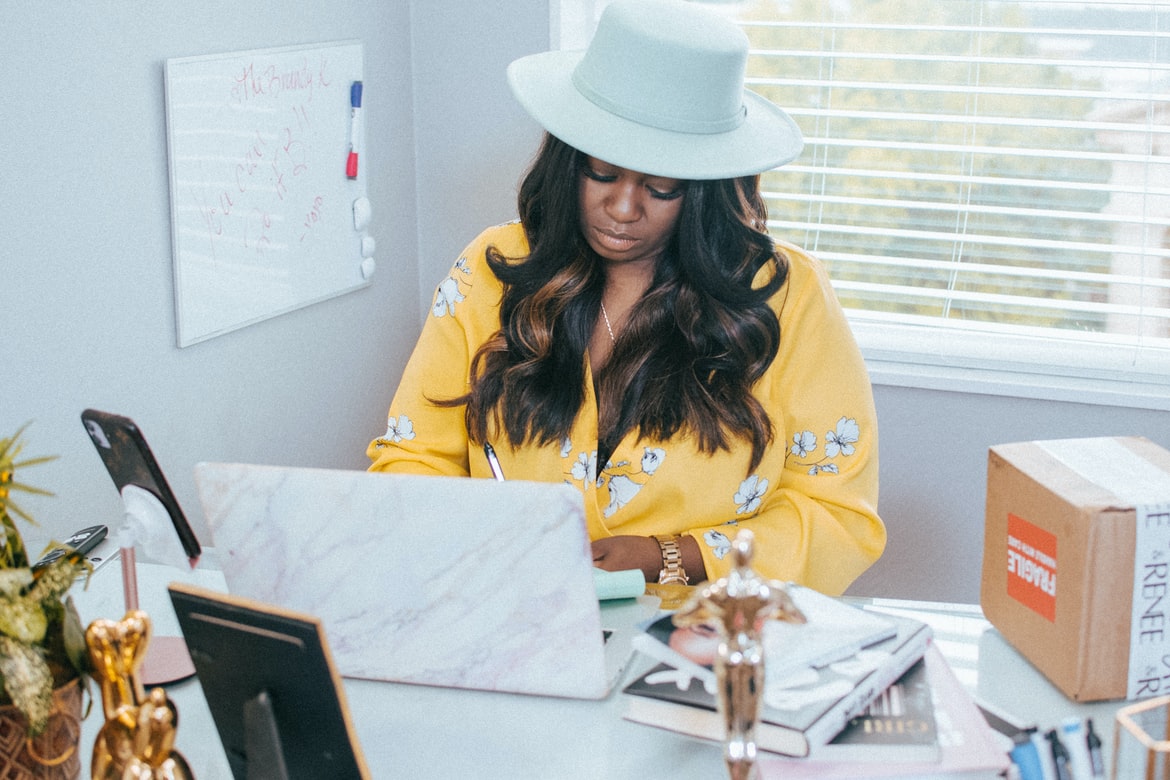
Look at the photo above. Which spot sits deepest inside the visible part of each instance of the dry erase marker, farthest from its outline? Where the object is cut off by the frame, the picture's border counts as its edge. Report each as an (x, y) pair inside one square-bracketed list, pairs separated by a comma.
[(355, 131), (1025, 757), (1073, 730), (493, 461), (1044, 751)]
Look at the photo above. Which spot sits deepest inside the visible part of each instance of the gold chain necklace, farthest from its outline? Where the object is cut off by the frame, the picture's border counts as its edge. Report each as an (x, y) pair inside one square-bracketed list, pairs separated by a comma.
[(608, 326)]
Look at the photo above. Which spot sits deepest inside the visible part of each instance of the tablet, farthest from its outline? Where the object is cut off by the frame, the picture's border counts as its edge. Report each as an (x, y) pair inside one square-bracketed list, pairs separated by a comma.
[(271, 686)]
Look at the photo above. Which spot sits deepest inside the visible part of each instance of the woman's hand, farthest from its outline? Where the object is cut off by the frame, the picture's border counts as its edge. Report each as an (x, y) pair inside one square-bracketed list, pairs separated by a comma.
[(618, 553)]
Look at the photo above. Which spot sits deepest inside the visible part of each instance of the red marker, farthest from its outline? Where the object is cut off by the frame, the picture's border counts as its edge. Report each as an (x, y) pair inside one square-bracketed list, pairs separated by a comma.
[(355, 126)]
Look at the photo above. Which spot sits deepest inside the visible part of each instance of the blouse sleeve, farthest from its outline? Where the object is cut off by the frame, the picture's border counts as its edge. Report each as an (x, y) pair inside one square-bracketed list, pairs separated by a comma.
[(421, 436), (818, 523)]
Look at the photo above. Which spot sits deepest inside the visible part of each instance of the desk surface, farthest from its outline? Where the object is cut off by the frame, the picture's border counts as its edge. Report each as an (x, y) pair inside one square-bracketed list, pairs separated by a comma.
[(421, 732)]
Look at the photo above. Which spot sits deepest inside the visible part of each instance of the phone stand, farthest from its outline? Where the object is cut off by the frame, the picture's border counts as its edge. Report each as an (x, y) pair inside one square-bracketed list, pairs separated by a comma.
[(262, 737), (167, 659)]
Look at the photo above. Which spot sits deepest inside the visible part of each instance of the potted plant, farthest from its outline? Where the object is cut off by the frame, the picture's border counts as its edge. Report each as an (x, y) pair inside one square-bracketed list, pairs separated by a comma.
[(43, 663)]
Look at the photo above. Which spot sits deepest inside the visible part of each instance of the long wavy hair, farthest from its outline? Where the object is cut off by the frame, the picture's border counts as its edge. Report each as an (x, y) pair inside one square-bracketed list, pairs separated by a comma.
[(690, 351)]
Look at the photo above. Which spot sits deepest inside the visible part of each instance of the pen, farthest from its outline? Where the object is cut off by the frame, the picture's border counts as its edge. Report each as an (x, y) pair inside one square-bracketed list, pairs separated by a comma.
[(1093, 742), (493, 461), (355, 104), (1060, 756)]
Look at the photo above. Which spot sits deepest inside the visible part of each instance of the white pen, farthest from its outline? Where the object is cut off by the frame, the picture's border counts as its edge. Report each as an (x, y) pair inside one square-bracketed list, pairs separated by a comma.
[(493, 461)]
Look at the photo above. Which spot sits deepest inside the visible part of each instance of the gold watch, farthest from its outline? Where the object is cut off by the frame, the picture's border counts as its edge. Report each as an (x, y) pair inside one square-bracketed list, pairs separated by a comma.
[(672, 569)]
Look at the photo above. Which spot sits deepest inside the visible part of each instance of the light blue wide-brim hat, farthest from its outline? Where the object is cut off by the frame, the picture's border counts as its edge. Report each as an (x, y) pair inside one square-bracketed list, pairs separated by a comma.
[(660, 90)]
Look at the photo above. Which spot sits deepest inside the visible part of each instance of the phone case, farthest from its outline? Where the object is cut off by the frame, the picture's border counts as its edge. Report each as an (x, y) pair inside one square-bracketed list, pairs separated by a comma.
[(129, 461)]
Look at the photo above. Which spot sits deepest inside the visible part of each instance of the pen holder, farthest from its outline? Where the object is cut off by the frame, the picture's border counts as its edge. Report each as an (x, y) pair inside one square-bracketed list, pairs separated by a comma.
[(1141, 740)]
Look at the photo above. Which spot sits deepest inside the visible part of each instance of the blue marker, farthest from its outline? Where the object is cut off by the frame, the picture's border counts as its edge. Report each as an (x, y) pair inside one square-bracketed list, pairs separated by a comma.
[(1025, 757), (355, 104)]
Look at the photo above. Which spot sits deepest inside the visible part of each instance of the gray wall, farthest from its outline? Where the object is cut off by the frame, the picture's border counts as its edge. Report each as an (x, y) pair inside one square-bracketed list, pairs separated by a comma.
[(87, 311), (85, 268)]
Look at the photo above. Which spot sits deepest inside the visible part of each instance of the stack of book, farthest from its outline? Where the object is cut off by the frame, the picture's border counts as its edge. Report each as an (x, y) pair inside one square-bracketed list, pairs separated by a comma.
[(850, 694), (964, 746), (819, 675)]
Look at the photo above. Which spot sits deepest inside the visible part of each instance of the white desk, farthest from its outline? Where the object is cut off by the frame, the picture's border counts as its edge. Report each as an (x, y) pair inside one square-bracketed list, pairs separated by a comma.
[(421, 732)]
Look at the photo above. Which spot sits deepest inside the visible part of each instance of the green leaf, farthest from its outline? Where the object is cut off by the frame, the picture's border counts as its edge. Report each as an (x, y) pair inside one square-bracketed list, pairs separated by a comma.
[(23, 619), (28, 682), (74, 635)]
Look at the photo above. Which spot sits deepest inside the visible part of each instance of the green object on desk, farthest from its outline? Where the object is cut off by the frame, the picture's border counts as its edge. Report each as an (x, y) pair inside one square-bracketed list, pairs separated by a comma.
[(626, 584)]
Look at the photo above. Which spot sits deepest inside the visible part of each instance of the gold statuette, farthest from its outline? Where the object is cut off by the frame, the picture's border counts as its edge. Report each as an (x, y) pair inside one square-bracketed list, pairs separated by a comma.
[(136, 742), (737, 606)]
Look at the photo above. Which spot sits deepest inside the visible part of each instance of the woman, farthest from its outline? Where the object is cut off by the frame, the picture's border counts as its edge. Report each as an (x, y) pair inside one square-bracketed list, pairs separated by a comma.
[(638, 334)]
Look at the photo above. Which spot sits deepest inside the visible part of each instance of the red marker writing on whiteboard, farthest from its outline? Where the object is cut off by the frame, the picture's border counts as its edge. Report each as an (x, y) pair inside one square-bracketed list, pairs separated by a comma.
[(355, 129)]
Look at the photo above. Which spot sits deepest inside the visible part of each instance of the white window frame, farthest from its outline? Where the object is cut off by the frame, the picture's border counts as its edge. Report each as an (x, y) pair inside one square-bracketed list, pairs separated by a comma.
[(1038, 365)]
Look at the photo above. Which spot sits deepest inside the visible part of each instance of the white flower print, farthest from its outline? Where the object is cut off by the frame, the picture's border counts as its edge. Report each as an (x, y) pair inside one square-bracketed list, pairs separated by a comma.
[(843, 438), (751, 490), (585, 467), (838, 443), (446, 297), (718, 542), (566, 447), (803, 443), (399, 429), (625, 478), (652, 459), (621, 490)]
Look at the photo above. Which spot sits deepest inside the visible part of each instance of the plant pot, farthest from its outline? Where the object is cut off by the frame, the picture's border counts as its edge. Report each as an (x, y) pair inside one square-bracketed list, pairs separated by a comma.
[(53, 755)]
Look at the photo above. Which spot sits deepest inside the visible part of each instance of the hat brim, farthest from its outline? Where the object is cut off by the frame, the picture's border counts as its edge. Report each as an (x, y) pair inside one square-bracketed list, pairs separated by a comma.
[(542, 83)]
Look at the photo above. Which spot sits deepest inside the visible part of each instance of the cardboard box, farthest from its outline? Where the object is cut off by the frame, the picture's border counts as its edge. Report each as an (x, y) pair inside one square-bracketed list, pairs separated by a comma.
[(1076, 562)]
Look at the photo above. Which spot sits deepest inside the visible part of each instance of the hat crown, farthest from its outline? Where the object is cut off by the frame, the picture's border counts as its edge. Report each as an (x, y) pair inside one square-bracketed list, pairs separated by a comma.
[(680, 69)]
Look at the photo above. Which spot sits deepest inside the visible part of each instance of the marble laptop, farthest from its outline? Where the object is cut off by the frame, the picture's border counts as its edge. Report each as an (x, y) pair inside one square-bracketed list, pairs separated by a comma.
[(446, 581)]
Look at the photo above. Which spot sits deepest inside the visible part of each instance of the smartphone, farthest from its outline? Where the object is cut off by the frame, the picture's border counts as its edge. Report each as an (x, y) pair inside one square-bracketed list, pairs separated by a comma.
[(81, 542), (129, 461)]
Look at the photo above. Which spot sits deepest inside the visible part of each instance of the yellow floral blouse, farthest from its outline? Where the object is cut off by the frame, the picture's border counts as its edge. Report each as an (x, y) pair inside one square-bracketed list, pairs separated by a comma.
[(811, 503)]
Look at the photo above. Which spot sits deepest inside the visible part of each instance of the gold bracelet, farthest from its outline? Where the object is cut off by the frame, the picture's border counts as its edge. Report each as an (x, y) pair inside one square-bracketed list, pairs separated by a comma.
[(672, 568)]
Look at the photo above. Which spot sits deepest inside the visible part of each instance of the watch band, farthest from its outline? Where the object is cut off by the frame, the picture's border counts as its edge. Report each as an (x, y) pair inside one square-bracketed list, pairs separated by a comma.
[(672, 568)]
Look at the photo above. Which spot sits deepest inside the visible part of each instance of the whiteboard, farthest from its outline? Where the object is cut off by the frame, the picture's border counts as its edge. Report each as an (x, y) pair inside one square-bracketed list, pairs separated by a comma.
[(262, 208)]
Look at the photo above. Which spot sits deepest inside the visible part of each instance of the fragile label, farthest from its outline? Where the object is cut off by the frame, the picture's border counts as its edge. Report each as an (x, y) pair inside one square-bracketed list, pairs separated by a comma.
[(1031, 566), (1149, 640)]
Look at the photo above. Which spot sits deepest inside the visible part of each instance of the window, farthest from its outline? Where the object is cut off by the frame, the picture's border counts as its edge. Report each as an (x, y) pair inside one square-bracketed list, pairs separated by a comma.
[(988, 182)]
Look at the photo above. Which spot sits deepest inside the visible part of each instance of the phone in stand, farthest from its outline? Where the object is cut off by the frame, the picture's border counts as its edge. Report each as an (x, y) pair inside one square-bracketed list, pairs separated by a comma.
[(128, 459)]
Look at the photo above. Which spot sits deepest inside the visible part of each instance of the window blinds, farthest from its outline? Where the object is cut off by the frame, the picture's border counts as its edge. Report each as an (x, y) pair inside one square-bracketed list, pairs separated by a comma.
[(981, 172)]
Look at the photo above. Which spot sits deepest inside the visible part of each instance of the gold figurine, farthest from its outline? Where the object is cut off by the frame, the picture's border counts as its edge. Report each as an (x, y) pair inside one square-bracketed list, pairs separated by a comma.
[(737, 606), (136, 742)]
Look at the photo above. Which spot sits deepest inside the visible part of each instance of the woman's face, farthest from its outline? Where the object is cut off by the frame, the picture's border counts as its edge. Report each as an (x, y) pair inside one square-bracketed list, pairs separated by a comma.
[(628, 216), (700, 643)]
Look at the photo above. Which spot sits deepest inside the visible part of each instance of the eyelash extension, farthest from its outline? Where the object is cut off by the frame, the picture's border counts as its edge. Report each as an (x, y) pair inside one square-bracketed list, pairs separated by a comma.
[(609, 179), (672, 195), (592, 174)]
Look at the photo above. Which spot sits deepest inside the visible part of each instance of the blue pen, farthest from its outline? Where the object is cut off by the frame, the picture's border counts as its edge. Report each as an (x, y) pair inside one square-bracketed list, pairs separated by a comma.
[(355, 104)]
